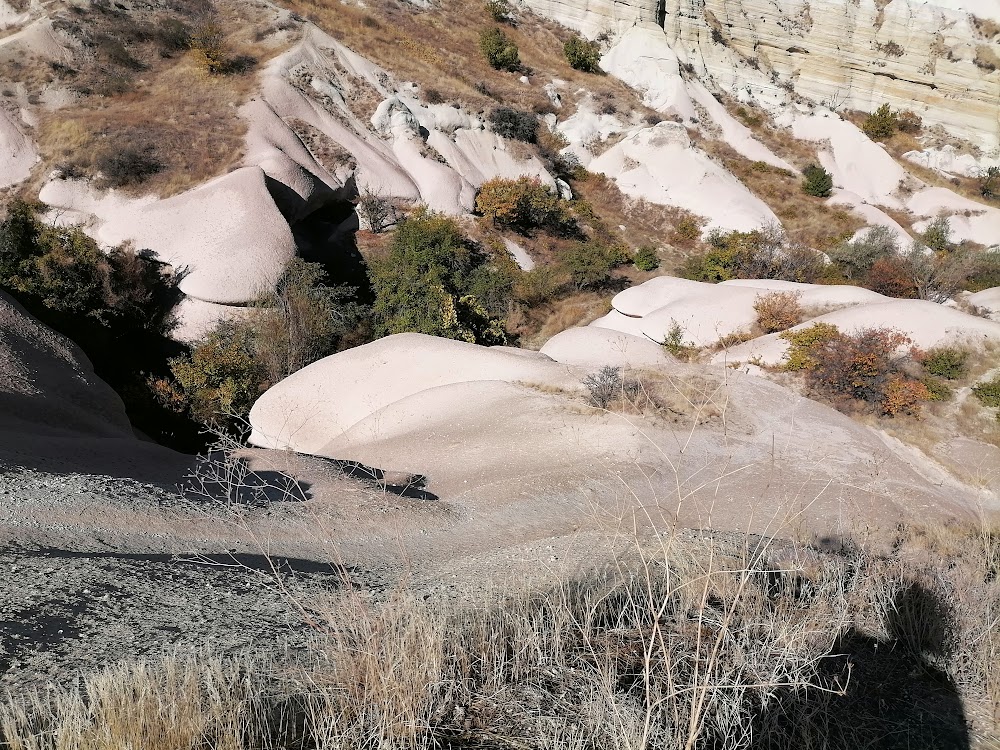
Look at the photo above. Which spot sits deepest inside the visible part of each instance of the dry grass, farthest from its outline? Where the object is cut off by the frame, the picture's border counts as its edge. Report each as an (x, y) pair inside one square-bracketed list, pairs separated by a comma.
[(438, 48), (674, 230), (538, 324), (807, 220), (686, 640), (140, 90)]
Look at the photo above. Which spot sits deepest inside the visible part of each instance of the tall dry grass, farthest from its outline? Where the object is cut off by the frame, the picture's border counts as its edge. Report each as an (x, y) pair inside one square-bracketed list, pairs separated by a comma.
[(689, 640)]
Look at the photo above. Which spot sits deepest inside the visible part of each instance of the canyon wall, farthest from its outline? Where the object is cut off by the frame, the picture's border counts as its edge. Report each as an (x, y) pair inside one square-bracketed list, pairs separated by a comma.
[(941, 62)]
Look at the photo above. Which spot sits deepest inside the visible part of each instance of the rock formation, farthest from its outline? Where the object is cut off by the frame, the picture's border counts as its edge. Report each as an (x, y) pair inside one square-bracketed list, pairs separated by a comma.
[(938, 59)]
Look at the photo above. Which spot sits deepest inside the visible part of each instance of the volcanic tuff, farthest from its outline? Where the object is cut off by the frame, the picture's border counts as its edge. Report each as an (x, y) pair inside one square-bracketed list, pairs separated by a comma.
[(938, 59)]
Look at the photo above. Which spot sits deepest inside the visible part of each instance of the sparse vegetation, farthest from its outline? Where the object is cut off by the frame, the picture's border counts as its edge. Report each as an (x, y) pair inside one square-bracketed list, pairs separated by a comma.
[(583, 54), (376, 209), (687, 643), (608, 385), (759, 254), (674, 343), (989, 183), (500, 11)]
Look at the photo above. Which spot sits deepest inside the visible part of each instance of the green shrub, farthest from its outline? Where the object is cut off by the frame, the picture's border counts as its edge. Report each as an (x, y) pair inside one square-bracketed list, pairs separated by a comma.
[(937, 388), (500, 11), (988, 392), (881, 123), (937, 235), (590, 263), (818, 182), (805, 342), (675, 344), (760, 254), (302, 321), (514, 124), (646, 258), (582, 54), (855, 259), (498, 49), (989, 183), (523, 204), (946, 362), (431, 280)]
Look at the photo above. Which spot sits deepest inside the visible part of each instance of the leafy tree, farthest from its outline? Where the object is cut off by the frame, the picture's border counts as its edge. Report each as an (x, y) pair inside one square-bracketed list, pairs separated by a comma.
[(425, 284), (855, 259), (646, 258), (590, 264), (937, 235), (881, 123), (514, 124), (523, 204), (302, 321), (818, 182), (582, 54), (499, 50)]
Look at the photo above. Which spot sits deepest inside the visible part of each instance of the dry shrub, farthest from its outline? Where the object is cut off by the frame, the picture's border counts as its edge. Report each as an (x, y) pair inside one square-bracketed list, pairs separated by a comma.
[(867, 366), (778, 311)]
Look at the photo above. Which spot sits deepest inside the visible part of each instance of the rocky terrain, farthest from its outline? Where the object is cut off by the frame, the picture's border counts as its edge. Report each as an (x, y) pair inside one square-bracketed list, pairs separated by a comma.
[(560, 418)]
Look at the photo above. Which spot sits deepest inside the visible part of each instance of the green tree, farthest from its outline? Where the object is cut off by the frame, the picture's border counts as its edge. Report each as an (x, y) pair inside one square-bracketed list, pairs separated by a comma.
[(646, 258), (499, 50), (590, 263), (427, 283), (881, 123), (818, 182), (582, 54)]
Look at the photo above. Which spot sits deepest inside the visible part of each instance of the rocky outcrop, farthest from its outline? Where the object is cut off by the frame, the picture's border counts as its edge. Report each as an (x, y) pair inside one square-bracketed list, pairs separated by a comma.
[(941, 62)]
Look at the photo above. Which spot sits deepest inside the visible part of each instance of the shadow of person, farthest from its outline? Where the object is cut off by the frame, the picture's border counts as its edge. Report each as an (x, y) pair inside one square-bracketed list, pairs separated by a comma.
[(881, 693)]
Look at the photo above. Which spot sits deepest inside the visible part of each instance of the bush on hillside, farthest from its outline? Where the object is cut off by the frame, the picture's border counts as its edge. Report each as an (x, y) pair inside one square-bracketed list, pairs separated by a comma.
[(514, 124), (590, 263), (759, 254), (817, 181), (881, 123), (435, 281), (855, 259), (583, 54), (937, 235), (128, 165), (500, 11), (891, 276), (778, 311), (608, 385), (867, 366), (909, 121), (300, 322), (524, 204), (946, 362), (988, 392), (646, 258), (498, 49), (804, 343), (115, 304), (989, 183)]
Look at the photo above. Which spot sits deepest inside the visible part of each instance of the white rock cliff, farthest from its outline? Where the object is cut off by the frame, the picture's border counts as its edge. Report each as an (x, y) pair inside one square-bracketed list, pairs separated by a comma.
[(940, 59)]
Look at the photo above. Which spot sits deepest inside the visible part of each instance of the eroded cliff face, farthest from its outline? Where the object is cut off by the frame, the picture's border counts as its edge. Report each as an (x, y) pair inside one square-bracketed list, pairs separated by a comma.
[(940, 62)]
